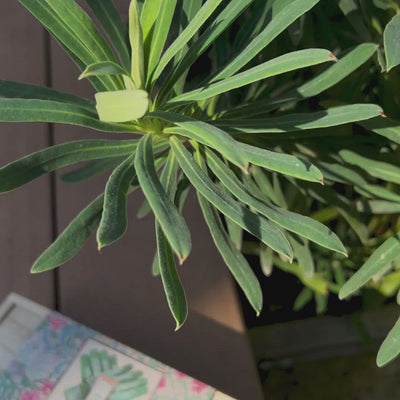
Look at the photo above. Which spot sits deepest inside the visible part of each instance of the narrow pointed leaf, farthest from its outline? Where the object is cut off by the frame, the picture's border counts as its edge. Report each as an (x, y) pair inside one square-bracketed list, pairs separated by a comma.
[(103, 68), (277, 25), (206, 134), (111, 22), (375, 168), (136, 40), (266, 259), (391, 38), (27, 110), (172, 223), (26, 169), (160, 33), (390, 348), (338, 71), (385, 127), (223, 20), (114, 219), (253, 223), (380, 259), (233, 258), (330, 77), (172, 284), (235, 233), (286, 63), (17, 90), (68, 23), (148, 18), (282, 163), (72, 239), (298, 122), (296, 223), (303, 256), (184, 37), (168, 179)]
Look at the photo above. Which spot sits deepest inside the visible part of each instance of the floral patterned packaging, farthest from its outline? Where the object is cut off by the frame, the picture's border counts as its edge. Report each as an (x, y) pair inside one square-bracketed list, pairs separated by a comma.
[(64, 360)]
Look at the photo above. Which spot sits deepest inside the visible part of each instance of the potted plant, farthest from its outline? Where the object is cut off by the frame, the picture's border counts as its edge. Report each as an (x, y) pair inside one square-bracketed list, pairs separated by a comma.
[(232, 133)]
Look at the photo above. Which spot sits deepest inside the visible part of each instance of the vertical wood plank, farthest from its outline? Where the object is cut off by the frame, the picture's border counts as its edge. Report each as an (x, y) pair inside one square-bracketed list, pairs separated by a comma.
[(25, 217), (115, 293)]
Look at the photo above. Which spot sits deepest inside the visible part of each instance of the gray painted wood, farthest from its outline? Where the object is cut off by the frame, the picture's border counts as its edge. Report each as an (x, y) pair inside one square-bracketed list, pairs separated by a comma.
[(25, 217)]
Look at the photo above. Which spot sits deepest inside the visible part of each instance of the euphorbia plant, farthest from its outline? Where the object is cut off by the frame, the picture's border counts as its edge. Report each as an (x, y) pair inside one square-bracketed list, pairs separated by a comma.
[(215, 135)]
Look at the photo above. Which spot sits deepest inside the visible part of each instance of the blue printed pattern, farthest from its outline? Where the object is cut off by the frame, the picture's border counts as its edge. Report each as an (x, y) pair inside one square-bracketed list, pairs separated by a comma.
[(52, 348)]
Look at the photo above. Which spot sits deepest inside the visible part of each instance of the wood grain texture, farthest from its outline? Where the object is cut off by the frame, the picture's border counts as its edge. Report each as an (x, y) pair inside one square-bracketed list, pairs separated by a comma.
[(25, 217)]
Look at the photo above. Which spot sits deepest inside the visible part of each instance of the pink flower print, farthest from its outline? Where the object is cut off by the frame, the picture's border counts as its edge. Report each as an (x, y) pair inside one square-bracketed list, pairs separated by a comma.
[(180, 375), (198, 386), (46, 388), (57, 323), (30, 395), (162, 383)]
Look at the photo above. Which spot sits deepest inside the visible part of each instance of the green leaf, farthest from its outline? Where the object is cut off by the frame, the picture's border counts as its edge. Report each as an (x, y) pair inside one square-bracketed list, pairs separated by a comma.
[(277, 66), (122, 105), (169, 176), (148, 18), (160, 33), (235, 233), (390, 348), (18, 90), (92, 169), (26, 169), (391, 38), (74, 29), (233, 258), (27, 110), (380, 259), (222, 21), (377, 169), (330, 77), (293, 222), (351, 10), (338, 71), (144, 209), (263, 183), (172, 223), (303, 256), (282, 163), (266, 259), (304, 297), (206, 134), (298, 122), (172, 284), (136, 40), (103, 68), (317, 283), (340, 173), (184, 37), (253, 223), (277, 25), (111, 22), (114, 219), (378, 207), (72, 239), (376, 191), (385, 127)]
